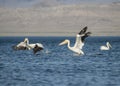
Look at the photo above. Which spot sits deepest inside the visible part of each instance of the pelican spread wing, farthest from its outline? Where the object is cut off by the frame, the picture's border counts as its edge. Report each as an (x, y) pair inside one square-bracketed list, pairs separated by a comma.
[(80, 37), (85, 36), (78, 43), (83, 31)]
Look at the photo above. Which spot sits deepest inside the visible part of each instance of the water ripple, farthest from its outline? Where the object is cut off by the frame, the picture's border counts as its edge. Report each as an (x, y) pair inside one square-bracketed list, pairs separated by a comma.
[(58, 66)]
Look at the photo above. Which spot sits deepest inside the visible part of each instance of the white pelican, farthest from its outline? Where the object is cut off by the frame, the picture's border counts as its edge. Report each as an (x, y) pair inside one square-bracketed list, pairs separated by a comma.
[(107, 47), (26, 46), (80, 37), (22, 45), (36, 47)]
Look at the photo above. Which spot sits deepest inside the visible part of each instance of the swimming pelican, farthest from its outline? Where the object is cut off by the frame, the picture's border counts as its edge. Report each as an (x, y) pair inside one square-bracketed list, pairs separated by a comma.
[(22, 45), (107, 47), (36, 47), (80, 38), (26, 46)]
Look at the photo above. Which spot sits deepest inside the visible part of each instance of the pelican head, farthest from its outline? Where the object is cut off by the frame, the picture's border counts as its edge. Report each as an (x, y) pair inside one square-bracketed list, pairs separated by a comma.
[(26, 40), (64, 42), (108, 44)]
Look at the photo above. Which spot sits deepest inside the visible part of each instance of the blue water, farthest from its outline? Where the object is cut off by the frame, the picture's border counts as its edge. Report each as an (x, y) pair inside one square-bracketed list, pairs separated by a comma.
[(58, 66)]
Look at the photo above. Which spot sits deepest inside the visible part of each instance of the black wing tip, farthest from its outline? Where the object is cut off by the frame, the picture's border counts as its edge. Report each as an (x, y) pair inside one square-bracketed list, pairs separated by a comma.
[(85, 27), (88, 33), (83, 30)]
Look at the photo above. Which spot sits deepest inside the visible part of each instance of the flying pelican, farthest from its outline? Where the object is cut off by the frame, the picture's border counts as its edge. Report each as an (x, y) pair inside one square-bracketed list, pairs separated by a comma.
[(26, 46), (107, 47), (80, 38)]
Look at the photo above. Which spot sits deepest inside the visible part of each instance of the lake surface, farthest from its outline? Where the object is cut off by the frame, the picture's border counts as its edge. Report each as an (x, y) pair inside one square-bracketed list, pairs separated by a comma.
[(57, 65)]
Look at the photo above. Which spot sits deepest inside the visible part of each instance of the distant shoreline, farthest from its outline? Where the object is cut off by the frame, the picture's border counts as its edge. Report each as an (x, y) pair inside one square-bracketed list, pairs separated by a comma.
[(52, 35), (67, 34)]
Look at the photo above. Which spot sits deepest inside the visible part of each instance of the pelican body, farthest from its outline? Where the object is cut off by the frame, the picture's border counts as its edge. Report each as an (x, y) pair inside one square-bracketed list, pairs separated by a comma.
[(107, 47), (74, 49), (80, 37)]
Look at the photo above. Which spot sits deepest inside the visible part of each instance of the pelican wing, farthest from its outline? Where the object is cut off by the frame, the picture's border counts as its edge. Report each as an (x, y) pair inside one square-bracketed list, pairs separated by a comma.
[(80, 40), (38, 47), (21, 44), (31, 46), (83, 31), (78, 44), (85, 36)]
